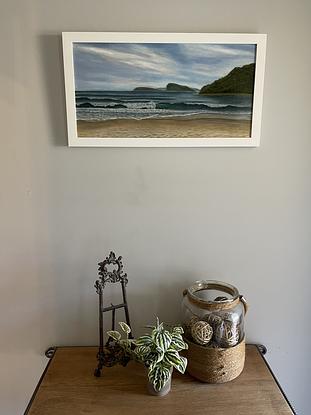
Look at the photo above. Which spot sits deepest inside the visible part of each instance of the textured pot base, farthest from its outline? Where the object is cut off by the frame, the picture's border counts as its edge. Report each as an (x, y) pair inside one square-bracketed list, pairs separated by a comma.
[(215, 365)]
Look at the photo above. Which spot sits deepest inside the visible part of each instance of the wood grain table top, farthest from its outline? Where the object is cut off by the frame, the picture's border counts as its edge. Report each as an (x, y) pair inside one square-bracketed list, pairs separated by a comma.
[(69, 387)]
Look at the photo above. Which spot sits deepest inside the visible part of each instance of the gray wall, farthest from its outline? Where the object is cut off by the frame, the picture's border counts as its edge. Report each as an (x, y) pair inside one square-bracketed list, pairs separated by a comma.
[(176, 215)]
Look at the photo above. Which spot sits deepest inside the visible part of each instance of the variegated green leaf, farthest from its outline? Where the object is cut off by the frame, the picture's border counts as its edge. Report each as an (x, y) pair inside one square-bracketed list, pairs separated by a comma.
[(126, 328), (158, 376), (172, 358), (160, 357), (157, 329), (177, 336), (115, 335), (163, 340), (178, 330), (145, 340), (183, 364), (178, 343), (152, 373), (142, 350), (150, 364)]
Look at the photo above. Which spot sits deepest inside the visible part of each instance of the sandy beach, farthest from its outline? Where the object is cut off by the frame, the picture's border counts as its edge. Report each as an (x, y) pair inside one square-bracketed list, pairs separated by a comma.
[(166, 128)]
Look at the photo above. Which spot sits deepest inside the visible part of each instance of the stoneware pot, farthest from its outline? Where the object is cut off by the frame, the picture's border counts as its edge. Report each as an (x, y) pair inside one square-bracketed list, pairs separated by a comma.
[(162, 392)]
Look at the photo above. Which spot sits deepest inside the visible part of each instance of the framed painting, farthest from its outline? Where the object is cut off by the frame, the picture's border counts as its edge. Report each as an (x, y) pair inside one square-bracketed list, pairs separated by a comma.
[(163, 89)]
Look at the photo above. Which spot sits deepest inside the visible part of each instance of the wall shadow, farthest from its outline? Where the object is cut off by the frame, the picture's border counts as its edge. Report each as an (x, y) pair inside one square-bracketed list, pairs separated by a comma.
[(50, 47)]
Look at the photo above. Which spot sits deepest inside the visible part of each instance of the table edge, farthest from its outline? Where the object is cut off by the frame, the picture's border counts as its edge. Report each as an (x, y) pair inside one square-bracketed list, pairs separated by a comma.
[(49, 353), (262, 352)]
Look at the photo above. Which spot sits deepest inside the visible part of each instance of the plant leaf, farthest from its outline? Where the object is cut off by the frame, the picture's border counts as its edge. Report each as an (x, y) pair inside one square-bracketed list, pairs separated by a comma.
[(178, 330), (145, 340), (142, 351), (172, 358), (177, 336), (183, 364), (159, 357), (163, 340), (159, 375), (158, 328), (126, 345), (125, 327), (115, 335), (158, 322), (178, 343)]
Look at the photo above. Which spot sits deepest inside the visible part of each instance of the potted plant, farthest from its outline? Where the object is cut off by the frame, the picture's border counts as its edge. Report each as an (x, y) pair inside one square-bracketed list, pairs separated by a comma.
[(158, 351)]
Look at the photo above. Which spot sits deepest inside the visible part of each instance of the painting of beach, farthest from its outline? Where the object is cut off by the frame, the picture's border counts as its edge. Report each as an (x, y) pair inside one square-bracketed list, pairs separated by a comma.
[(163, 90)]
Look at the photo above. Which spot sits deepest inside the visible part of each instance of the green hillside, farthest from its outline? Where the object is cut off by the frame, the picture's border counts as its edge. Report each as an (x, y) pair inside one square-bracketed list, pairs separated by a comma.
[(239, 81)]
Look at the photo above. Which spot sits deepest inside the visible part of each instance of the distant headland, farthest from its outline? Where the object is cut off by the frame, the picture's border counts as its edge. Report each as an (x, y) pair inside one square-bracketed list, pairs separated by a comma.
[(238, 81), (171, 86)]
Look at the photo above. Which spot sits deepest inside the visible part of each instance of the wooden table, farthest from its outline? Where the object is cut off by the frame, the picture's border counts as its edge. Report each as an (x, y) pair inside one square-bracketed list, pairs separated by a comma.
[(68, 387)]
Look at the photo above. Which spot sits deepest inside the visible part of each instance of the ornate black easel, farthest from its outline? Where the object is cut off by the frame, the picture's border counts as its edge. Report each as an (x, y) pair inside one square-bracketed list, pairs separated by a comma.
[(108, 354)]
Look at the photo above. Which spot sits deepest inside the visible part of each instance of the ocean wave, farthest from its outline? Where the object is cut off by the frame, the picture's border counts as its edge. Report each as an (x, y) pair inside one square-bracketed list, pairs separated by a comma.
[(164, 106), (82, 99), (88, 105), (117, 105), (91, 99), (99, 115), (181, 106)]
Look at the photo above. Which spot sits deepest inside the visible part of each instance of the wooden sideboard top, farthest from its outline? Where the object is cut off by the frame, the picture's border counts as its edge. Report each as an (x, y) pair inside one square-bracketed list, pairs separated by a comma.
[(69, 387)]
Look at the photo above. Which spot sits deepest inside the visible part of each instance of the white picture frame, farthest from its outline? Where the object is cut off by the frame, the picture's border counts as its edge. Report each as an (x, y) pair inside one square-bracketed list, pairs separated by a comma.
[(100, 39)]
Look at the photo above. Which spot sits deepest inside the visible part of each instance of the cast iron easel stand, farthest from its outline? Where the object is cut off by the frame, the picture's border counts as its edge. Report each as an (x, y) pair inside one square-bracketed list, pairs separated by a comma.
[(108, 355)]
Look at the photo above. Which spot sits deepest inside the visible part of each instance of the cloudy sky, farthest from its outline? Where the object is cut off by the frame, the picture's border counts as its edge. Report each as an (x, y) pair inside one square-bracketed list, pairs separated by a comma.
[(124, 66)]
